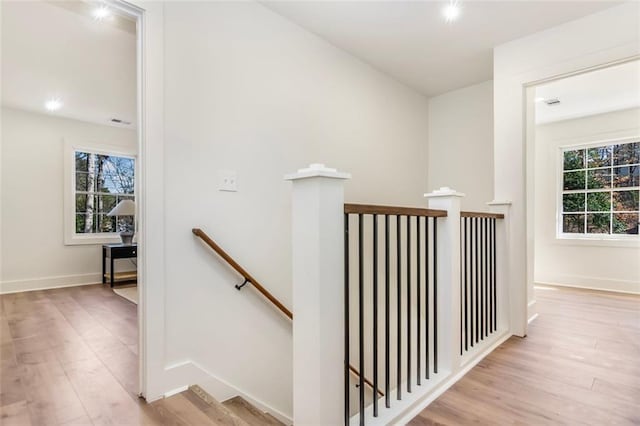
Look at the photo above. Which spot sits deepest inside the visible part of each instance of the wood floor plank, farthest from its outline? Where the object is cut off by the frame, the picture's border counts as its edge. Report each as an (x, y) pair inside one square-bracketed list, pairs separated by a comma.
[(15, 414), (50, 397), (105, 400)]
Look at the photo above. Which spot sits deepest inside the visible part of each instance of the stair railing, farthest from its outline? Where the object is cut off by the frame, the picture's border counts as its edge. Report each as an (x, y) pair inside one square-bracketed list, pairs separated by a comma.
[(249, 279)]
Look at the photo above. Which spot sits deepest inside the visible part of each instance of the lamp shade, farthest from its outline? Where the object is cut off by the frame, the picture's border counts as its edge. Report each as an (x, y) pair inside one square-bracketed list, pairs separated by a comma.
[(124, 208)]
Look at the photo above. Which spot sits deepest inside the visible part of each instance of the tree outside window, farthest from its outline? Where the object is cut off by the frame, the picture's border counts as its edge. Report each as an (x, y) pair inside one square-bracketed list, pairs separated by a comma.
[(101, 182), (601, 189)]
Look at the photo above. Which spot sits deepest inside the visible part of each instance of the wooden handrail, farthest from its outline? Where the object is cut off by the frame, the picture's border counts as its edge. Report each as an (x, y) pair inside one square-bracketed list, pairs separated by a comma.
[(235, 265), (364, 379), (392, 210), (481, 214), (223, 254)]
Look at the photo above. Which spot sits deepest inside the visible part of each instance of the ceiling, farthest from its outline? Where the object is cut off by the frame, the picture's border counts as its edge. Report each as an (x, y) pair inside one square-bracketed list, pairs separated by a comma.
[(597, 92), (58, 50), (411, 41)]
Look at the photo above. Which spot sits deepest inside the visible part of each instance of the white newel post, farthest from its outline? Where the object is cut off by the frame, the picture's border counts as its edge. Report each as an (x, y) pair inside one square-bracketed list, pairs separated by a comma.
[(508, 309), (318, 295), (448, 269)]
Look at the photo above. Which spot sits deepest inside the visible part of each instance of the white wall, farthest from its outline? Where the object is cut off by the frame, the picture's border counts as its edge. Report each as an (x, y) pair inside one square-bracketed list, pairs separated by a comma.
[(461, 143), (597, 39), (248, 91), (601, 264), (33, 252)]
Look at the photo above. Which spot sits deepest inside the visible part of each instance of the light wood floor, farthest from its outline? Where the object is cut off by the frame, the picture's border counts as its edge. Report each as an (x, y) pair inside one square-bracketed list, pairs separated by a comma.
[(69, 357), (579, 364)]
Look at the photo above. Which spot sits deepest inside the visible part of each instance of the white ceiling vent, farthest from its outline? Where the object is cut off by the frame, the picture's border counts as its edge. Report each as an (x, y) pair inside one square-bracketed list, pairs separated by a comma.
[(552, 101)]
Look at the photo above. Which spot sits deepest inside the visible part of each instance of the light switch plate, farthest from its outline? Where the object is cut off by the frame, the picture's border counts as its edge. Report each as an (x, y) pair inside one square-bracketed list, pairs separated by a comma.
[(227, 181)]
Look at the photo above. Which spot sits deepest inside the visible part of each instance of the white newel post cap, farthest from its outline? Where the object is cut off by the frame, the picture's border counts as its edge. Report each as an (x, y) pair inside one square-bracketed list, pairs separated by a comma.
[(317, 170), (444, 191)]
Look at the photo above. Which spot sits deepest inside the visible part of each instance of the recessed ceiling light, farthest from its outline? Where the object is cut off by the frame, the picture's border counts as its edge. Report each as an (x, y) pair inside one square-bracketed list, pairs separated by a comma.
[(451, 11), (101, 13), (53, 104)]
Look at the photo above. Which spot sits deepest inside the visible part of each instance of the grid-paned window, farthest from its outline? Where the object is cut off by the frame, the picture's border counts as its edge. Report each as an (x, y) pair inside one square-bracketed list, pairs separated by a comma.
[(101, 181), (601, 189)]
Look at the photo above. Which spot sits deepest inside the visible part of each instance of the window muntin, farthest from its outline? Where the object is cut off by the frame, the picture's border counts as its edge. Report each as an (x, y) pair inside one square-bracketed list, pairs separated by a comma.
[(600, 190), (100, 182)]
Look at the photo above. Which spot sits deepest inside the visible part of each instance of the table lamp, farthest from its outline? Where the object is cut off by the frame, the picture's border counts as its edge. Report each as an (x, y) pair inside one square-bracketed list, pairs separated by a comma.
[(125, 208)]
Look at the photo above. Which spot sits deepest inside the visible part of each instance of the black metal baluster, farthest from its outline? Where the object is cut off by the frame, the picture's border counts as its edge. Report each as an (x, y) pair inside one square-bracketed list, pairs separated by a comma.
[(482, 284), (495, 278), (467, 323), (477, 319), (399, 313), (435, 295), (375, 315), (361, 317), (461, 296), (427, 316), (387, 330), (472, 311), (347, 386), (487, 290), (408, 303), (419, 322)]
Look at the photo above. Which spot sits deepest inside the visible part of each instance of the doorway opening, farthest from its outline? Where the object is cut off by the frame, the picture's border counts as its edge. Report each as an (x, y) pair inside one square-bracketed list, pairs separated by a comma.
[(583, 188), (71, 195)]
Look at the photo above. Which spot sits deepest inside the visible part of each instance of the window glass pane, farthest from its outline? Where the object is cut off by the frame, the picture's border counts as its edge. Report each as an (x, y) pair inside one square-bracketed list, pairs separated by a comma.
[(106, 203), (573, 223), (599, 201), (599, 156), (625, 223), (573, 202), (574, 159), (81, 203), (86, 223), (598, 223), (626, 200), (599, 179), (626, 153), (82, 164), (119, 173), (574, 180), (82, 181), (626, 176), (107, 223)]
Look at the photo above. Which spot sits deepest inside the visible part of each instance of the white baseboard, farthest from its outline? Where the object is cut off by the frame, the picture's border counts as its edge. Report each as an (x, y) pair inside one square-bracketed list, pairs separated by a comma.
[(616, 286), (46, 283), (179, 376)]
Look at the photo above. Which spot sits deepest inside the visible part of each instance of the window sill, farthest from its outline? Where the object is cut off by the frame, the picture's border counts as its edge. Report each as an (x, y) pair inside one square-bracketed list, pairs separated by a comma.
[(99, 239), (632, 242)]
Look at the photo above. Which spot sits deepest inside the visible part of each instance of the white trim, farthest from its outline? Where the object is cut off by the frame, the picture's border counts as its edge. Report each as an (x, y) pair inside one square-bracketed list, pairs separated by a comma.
[(176, 391), (602, 285), (45, 283), (70, 147)]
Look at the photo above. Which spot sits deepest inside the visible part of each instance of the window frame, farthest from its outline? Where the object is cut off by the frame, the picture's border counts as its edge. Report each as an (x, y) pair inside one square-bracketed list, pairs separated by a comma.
[(70, 148), (623, 239)]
